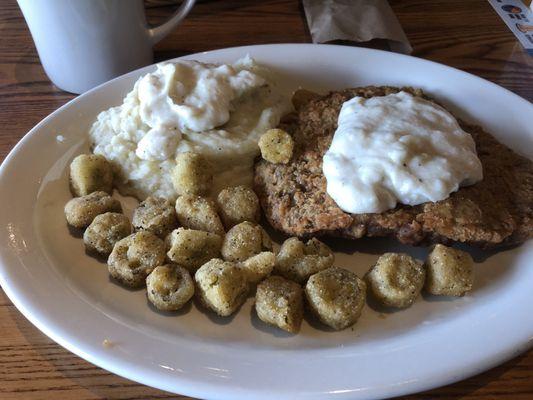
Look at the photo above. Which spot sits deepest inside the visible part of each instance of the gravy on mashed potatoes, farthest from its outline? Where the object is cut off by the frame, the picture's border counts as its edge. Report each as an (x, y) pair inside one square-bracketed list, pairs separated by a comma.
[(219, 111)]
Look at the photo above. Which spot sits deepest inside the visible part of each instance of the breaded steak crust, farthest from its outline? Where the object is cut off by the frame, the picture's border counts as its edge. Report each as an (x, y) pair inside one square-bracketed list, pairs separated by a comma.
[(496, 211)]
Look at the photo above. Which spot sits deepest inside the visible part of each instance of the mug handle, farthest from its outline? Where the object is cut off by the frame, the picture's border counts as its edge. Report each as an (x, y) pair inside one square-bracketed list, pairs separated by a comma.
[(159, 32)]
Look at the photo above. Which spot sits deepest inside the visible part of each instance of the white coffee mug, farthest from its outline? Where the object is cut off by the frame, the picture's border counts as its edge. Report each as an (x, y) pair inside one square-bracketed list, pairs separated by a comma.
[(83, 43)]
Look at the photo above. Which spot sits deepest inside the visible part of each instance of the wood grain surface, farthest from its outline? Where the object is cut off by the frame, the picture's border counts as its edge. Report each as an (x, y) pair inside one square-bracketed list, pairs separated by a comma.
[(463, 34)]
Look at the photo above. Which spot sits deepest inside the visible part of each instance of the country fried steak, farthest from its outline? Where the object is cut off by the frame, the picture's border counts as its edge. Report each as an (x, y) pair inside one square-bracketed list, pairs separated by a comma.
[(497, 211)]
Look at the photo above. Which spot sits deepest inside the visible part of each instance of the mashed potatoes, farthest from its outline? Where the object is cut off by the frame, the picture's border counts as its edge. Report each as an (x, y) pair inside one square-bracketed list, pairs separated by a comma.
[(216, 110)]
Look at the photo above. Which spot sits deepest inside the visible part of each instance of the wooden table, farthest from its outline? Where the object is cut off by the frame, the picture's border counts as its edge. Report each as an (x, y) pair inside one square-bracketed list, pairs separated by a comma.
[(464, 34)]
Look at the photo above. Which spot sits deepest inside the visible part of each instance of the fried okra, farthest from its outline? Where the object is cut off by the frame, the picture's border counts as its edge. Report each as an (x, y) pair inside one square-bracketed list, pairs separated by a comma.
[(134, 257), (336, 296), (169, 287), (196, 212), (90, 173), (276, 146), (450, 272), (238, 204), (222, 286), (193, 174), (279, 302), (105, 230), (298, 261), (156, 215), (396, 280), (258, 267), (80, 211), (245, 240), (191, 248)]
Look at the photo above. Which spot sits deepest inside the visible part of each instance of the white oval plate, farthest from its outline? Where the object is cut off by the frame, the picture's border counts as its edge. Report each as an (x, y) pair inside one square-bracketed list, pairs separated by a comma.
[(68, 295)]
